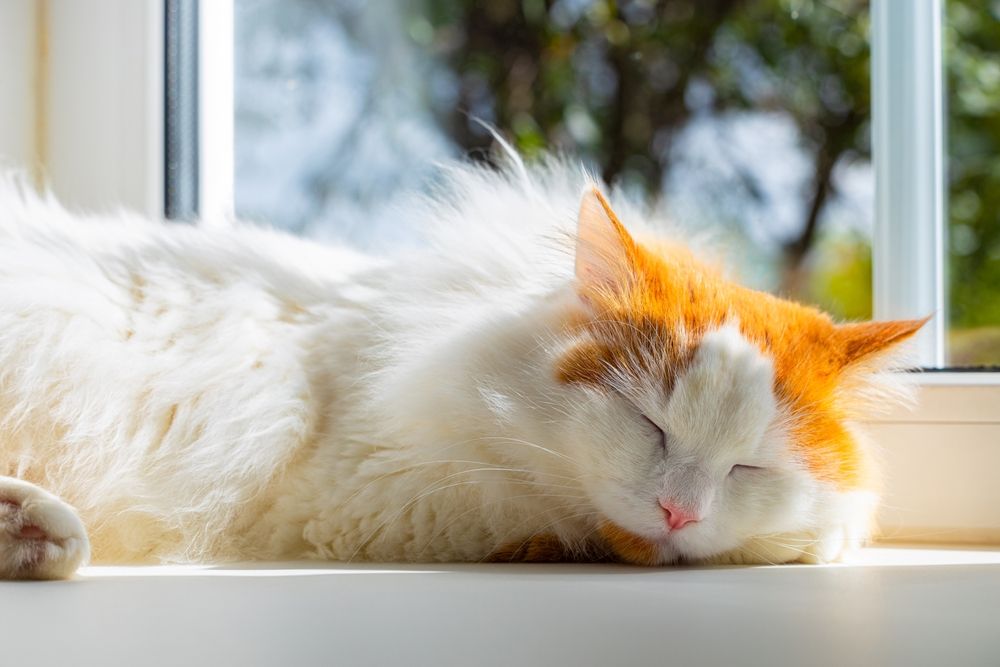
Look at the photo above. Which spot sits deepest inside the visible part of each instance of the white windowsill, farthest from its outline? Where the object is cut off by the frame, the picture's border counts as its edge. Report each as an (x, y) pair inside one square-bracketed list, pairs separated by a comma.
[(940, 460), (959, 379), (893, 606), (949, 398)]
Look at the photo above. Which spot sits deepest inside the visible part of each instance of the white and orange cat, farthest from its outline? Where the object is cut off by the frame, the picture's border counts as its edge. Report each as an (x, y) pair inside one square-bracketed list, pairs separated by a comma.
[(537, 383)]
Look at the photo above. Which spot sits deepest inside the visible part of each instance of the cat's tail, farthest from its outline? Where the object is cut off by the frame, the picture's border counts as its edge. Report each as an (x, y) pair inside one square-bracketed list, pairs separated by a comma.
[(41, 537)]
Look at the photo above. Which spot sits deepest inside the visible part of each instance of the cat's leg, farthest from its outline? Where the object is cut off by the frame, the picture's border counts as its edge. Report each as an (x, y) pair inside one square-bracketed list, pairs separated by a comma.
[(41, 537)]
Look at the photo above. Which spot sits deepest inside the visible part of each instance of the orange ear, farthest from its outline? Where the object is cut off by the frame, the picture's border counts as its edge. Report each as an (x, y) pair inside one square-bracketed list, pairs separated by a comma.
[(604, 249), (864, 339)]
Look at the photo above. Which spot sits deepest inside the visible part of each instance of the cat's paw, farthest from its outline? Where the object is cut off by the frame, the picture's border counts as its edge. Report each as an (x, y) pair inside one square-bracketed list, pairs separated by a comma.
[(41, 537)]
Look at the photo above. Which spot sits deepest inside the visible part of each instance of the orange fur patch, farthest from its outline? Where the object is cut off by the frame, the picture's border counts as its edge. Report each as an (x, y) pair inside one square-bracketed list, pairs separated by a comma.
[(627, 547), (584, 363), (543, 548), (659, 294)]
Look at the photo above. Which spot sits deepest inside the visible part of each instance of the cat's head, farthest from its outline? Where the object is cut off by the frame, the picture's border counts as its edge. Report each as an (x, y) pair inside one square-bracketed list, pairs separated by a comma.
[(704, 413)]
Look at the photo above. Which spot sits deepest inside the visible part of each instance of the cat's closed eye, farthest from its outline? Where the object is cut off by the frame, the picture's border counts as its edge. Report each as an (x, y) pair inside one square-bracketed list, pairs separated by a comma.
[(742, 467), (659, 431)]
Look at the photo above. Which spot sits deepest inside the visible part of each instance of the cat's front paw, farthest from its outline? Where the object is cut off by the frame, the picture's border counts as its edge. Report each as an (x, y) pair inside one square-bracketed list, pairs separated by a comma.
[(41, 537)]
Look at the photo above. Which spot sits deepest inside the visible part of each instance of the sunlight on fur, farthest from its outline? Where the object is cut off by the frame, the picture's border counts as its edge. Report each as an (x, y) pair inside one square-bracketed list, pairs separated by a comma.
[(544, 379)]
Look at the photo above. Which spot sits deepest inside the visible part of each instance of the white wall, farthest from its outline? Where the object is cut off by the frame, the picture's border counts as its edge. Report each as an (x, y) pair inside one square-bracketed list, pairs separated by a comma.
[(104, 123), (17, 82), (940, 462), (90, 112)]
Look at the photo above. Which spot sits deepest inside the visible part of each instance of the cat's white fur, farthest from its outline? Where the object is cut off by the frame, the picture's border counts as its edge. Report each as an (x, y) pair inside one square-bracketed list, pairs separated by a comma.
[(227, 392)]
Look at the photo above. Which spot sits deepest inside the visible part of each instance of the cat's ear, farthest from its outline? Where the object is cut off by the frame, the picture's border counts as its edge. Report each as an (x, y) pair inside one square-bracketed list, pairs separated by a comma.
[(604, 249), (867, 339)]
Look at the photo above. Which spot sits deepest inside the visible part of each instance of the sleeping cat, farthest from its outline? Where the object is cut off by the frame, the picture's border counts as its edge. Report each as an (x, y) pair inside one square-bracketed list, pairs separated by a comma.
[(543, 380)]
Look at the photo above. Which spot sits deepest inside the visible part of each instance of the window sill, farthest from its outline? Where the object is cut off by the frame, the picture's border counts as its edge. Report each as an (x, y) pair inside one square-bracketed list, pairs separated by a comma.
[(940, 460), (950, 398), (883, 609)]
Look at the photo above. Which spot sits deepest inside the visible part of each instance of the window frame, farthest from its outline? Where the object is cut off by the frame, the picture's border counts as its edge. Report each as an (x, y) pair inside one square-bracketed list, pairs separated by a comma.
[(908, 251), (98, 101), (93, 103), (200, 150)]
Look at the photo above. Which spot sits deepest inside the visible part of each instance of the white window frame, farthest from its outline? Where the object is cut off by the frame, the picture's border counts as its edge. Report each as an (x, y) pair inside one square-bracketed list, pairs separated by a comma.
[(90, 108), (908, 154), (101, 85), (941, 457), (216, 111), (101, 102)]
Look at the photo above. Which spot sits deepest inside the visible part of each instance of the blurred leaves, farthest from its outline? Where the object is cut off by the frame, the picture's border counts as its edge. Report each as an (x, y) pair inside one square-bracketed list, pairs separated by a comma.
[(618, 81), (972, 38)]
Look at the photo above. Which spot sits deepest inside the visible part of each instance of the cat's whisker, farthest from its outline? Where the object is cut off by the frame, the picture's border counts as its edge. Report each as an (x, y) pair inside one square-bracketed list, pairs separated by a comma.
[(798, 548), (399, 513), (583, 541), (415, 466), (505, 539), (527, 443), (541, 530), (758, 555), (493, 503), (429, 490), (773, 537)]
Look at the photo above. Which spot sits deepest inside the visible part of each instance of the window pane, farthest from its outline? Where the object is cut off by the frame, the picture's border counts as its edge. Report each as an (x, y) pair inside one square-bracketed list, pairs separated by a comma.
[(972, 59), (331, 116), (747, 121)]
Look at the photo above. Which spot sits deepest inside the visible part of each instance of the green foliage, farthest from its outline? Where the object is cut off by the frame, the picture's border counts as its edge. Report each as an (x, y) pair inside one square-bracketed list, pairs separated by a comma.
[(840, 277), (973, 69)]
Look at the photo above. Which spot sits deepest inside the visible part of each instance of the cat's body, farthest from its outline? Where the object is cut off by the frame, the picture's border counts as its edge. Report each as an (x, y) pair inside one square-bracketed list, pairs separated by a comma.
[(230, 393)]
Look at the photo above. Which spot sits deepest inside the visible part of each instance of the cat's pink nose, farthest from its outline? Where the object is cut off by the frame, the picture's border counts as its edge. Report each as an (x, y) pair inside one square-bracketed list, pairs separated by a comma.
[(678, 517)]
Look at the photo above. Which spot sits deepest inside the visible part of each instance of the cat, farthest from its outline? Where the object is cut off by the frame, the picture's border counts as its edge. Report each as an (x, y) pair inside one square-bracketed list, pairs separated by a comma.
[(536, 382)]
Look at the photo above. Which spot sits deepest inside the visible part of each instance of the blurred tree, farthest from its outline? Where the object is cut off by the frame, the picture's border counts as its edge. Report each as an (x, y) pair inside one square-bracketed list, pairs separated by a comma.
[(618, 81), (809, 60), (972, 40)]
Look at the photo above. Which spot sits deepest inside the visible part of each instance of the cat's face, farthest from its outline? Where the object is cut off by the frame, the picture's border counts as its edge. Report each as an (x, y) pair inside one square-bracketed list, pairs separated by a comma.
[(703, 414)]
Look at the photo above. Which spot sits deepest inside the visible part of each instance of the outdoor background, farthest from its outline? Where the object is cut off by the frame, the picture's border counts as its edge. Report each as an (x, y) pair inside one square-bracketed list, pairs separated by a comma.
[(746, 118)]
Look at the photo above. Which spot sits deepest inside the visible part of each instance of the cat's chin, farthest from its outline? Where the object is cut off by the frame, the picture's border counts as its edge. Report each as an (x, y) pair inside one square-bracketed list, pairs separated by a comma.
[(666, 549), (640, 550)]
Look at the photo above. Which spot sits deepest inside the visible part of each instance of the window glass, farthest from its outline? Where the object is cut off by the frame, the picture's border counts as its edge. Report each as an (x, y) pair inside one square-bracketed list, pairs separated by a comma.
[(332, 116), (747, 122), (972, 62)]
